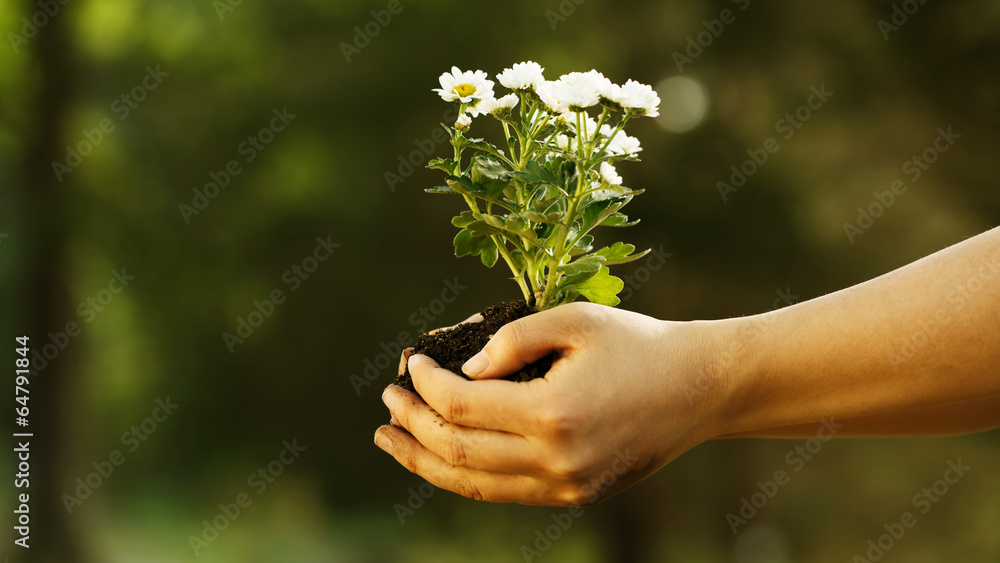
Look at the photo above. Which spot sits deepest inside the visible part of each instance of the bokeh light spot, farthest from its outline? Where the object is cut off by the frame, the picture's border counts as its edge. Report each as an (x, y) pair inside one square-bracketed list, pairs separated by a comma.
[(684, 103)]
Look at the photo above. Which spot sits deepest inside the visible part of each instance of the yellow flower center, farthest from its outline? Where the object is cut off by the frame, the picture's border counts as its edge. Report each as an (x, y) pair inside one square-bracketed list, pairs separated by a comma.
[(464, 90)]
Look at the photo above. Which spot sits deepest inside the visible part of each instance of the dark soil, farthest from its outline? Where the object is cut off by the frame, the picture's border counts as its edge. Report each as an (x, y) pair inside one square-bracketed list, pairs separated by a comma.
[(452, 347)]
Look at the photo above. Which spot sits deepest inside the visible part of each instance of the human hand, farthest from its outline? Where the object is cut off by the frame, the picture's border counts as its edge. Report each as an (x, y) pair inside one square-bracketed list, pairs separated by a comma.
[(612, 410)]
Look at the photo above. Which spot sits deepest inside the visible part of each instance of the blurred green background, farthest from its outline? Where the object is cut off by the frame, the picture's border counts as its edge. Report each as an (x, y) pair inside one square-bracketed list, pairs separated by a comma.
[(219, 71)]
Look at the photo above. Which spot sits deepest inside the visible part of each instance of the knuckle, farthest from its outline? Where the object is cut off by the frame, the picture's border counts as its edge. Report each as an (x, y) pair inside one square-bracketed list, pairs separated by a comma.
[(575, 494), (585, 318), (469, 489), (512, 334), (570, 466), (456, 409), (557, 422), (456, 453)]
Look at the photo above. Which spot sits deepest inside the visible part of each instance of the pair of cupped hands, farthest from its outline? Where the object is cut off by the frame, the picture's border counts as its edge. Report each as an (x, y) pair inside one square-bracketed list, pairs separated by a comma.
[(615, 407)]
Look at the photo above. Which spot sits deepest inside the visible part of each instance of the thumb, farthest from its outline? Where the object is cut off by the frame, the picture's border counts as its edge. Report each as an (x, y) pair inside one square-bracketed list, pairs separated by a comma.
[(520, 343)]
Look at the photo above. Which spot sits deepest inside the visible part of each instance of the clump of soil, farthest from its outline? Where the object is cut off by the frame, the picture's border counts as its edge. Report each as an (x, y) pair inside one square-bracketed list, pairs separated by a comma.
[(452, 347)]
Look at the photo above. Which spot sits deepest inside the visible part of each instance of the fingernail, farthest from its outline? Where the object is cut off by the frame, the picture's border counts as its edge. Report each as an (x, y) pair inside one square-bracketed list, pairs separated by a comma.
[(477, 364), (383, 442), (388, 398)]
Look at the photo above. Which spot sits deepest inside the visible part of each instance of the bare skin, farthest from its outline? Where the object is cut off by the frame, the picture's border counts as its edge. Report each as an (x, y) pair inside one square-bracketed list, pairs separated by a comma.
[(914, 352)]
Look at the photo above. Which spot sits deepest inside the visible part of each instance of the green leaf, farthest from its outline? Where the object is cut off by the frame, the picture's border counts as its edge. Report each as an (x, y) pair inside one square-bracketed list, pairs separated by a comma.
[(482, 228), (571, 281), (463, 243), (552, 218), (488, 168), (620, 253), (582, 246), (463, 184), (602, 289), (535, 173), (495, 189), (518, 259), (616, 251), (479, 244), (446, 164), (489, 255), (440, 190), (597, 212), (546, 175), (618, 220), (482, 145), (510, 192), (591, 263), (515, 223), (464, 219)]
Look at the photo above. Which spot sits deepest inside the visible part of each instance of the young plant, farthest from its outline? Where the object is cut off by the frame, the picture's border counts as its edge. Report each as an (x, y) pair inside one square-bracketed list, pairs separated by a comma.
[(536, 203)]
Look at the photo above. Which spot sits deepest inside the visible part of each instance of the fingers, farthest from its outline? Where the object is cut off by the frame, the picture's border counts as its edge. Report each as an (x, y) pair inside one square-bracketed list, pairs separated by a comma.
[(488, 450), (492, 405), (403, 358), (478, 485), (473, 319), (526, 340)]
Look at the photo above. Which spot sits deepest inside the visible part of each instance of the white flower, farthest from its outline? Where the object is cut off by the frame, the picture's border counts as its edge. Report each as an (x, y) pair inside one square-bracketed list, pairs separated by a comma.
[(508, 101), (579, 89), (638, 97), (464, 87), (589, 126), (622, 143), (491, 105), (565, 143), (463, 122), (552, 96), (610, 175), (522, 76), (604, 86), (625, 144)]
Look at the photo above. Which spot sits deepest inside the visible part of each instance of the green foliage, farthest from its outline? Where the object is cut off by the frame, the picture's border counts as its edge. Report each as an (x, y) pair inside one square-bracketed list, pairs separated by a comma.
[(538, 206)]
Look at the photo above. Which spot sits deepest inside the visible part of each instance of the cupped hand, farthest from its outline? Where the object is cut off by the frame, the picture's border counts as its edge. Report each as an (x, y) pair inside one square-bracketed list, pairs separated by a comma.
[(616, 406)]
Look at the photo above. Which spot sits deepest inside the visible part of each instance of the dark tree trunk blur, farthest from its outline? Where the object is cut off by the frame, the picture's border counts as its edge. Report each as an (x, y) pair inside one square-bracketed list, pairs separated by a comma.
[(47, 305)]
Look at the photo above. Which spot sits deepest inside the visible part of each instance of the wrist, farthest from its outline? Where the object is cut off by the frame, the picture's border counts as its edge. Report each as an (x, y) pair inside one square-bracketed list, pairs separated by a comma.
[(729, 370)]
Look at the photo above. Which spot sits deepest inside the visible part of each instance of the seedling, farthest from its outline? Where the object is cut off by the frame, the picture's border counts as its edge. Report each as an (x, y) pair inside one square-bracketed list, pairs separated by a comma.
[(536, 202)]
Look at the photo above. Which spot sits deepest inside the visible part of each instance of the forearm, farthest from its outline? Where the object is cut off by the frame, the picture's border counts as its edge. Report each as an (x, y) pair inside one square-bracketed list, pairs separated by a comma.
[(925, 334), (937, 420)]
